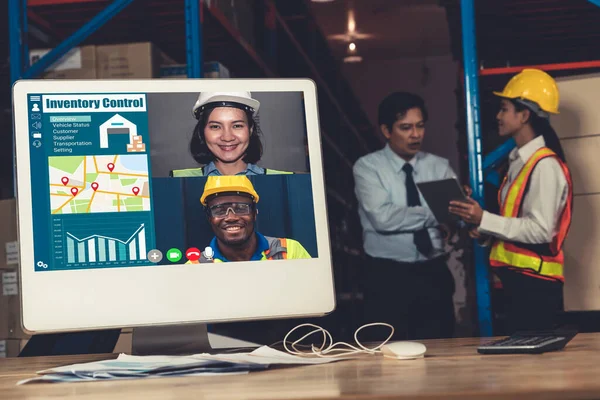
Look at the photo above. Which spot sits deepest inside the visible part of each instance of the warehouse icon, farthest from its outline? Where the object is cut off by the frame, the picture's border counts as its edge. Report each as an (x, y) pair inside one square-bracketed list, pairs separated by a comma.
[(118, 125)]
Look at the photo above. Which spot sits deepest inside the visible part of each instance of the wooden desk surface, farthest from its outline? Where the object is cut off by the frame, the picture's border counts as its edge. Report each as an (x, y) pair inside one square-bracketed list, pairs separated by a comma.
[(451, 369)]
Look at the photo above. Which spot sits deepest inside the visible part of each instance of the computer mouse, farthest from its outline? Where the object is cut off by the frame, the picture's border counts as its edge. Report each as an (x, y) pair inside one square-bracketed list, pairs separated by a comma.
[(404, 350)]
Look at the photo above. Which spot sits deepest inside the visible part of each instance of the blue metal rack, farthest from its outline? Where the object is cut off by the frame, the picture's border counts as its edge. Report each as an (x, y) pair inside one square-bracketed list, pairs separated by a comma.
[(17, 31), (475, 158), (493, 160), (193, 38), (19, 50)]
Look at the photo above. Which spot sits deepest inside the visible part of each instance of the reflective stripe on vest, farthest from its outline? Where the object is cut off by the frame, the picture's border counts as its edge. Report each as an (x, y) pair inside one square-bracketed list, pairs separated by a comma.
[(506, 254), (277, 249), (190, 172), (183, 173)]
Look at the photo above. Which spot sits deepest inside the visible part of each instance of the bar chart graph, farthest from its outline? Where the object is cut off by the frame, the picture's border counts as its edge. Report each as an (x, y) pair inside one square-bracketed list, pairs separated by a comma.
[(98, 248), (102, 240)]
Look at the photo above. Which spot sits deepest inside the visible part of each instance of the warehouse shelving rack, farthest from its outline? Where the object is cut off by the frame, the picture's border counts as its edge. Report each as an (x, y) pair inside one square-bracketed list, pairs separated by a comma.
[(285, 42)]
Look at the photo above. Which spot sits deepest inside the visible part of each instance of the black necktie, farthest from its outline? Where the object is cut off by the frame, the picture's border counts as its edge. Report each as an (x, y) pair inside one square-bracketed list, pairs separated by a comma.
[(421, 239)]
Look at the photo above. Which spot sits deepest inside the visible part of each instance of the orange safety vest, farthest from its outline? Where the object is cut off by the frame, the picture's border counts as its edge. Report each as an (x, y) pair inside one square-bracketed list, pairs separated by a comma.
[(522, 257)]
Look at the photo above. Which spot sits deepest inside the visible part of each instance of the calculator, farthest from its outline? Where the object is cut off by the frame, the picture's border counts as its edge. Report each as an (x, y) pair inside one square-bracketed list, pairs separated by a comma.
[(528, 343)]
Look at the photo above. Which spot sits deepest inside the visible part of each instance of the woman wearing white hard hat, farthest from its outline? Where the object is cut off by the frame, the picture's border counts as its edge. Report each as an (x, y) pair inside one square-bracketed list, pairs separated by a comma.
[(226, 139)]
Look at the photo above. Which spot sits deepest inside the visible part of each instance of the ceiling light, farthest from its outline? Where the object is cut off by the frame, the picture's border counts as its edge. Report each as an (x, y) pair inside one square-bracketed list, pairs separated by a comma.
[(352, 46), (352, 59), (351, 22)]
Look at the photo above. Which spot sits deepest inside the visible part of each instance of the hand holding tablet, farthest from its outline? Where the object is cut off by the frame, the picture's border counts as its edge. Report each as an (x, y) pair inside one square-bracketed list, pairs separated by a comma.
[(438, 195)]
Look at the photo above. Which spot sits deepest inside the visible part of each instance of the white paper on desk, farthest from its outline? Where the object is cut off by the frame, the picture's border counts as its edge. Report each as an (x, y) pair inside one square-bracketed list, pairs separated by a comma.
[(146, 364), (58, 378), (137, 367), (133, 364), (265, 355)]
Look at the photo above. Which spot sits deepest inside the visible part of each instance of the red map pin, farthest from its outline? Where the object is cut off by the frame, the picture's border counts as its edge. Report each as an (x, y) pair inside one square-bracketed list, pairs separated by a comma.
[(110, 166), (95, 186), (64, 180), (135, 190), (74, 191)]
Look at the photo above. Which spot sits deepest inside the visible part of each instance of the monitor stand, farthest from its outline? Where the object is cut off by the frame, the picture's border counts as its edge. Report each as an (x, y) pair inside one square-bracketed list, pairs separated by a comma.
[(171, 340), (70, 343), (165, 340)]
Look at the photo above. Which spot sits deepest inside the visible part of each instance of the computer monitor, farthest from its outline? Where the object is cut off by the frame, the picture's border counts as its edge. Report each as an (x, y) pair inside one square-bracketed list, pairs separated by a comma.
[(120, 210)]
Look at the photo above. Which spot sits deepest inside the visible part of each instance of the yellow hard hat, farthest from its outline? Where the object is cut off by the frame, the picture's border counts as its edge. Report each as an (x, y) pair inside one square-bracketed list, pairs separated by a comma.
[(228, 184), (534, 85)]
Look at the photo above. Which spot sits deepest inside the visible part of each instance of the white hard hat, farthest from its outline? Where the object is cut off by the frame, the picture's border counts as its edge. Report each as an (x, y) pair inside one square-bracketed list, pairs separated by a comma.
[(226, 98)]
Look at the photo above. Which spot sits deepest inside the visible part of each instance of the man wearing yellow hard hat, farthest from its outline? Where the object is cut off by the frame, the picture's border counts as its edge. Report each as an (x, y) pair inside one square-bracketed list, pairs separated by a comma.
[(230, 204), (535, 202)]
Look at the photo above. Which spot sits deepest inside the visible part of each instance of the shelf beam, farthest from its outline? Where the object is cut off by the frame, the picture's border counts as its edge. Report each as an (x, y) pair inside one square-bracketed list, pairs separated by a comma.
[(17, 32), (498, 154), (337, 150), (37, 3), (222, 19), (76, 38), (217, 14), (545, 67), (193, 37), (470, 63), (270, 34), (324, 86), (493, 160), (339, 198), (41, 29)]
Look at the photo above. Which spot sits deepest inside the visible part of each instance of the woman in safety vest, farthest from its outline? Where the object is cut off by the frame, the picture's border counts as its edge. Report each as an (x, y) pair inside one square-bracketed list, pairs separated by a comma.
[(535, 203), (226, 139)]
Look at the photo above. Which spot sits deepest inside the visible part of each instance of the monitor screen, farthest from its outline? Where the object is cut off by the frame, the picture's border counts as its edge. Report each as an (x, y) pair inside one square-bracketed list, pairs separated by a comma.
[(154, 202)]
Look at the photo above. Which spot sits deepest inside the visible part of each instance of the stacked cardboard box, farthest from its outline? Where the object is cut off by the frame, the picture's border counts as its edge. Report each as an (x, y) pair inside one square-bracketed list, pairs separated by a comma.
[(210, 70), (9, 249), (12, 336), (11, 333), (11, 347), (10, 306), (78, 63), (120, 61), (130, 61), (137, 146)]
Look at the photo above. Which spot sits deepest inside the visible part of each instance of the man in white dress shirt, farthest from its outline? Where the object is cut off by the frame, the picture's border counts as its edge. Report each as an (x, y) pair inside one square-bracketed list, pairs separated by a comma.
[(407, 281)]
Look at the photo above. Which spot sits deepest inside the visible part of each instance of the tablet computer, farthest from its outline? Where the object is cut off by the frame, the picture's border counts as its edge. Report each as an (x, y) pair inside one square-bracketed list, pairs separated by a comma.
[(439, 194)]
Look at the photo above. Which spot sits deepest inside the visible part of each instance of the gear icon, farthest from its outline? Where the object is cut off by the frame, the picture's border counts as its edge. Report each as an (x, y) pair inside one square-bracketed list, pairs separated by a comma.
[(42, 264)]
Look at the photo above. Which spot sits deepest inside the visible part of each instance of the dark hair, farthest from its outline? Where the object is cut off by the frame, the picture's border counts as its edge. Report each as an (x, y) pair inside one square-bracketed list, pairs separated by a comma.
[(541, 126), (396, 105), (203, 155)]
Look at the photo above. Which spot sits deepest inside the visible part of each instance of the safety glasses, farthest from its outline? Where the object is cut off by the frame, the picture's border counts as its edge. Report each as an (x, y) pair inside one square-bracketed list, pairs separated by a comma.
[(221, 210)]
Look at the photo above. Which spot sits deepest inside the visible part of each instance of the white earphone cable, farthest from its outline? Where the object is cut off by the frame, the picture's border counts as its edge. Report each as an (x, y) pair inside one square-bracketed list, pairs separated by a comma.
[(330, 349)]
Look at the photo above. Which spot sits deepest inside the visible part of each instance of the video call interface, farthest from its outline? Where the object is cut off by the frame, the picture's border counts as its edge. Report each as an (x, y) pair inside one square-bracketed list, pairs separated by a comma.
[(106, 193)]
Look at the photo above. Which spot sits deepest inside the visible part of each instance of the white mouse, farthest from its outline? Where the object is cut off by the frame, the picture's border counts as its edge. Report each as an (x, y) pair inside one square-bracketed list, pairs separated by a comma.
[(404, 350)]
